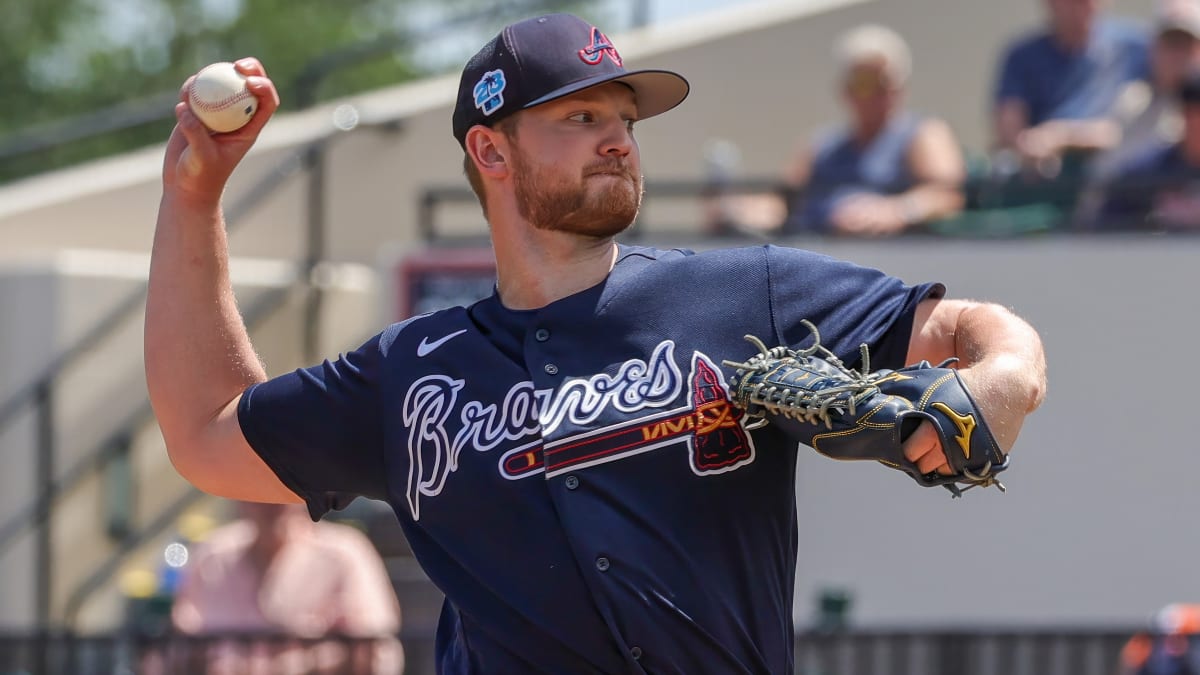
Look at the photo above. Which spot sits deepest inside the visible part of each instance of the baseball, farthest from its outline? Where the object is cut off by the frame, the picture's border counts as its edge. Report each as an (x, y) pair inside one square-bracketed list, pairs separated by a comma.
[(218, 96)]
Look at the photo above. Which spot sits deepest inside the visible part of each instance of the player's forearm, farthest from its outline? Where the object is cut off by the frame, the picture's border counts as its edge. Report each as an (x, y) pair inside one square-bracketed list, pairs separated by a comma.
[(1003, 365), (197, 353)]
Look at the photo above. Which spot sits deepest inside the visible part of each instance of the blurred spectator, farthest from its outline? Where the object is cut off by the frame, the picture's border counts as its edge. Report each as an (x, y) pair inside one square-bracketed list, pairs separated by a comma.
[(1171, 648), (275, 572), (1148, 112), (1057, 89), (884, 170), (1160, 189)]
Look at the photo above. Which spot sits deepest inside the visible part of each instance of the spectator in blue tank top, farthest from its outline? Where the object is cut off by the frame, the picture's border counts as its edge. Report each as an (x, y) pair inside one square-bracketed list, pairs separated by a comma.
[(885, 169), (1057, 88)]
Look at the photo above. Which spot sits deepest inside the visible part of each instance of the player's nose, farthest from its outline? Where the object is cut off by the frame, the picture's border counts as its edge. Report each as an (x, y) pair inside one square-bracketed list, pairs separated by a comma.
[(618, 139)]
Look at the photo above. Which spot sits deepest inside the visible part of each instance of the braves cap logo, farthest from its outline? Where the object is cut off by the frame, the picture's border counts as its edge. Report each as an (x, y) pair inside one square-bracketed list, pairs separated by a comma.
[(594, 53), (489, 91)]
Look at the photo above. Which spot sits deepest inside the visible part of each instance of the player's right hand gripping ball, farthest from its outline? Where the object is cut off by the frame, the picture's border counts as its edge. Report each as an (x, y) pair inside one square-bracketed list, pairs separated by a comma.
[(219, 98), (850, 414)]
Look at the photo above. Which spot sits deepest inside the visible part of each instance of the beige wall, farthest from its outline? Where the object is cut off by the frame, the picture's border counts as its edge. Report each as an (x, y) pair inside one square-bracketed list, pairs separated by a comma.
[(1098, 524)]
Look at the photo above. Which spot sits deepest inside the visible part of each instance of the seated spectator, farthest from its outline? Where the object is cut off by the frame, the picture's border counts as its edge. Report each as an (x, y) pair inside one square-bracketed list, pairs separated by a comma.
[(886, 169), (1056, 89), (1148, 112), (1171, 648), (275, 572), (1160, 190)]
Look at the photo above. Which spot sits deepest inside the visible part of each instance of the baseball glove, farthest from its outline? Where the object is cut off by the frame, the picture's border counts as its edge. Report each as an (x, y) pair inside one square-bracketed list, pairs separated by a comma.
[(859, 414)]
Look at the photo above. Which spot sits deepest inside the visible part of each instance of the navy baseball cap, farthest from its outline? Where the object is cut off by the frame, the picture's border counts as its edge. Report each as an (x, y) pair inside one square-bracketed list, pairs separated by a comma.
[(547, 57)]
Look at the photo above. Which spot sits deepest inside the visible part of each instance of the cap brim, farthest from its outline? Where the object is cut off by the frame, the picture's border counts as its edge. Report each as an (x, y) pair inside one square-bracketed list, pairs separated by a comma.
[(657, 91)]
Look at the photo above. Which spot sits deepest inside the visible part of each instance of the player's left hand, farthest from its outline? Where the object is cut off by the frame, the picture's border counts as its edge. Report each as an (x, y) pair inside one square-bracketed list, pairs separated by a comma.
[(921, 419), (924, 449)]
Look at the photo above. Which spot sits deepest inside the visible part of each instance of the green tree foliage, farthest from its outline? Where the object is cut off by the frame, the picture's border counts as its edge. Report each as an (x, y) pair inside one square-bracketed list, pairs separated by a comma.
[(67, 63)]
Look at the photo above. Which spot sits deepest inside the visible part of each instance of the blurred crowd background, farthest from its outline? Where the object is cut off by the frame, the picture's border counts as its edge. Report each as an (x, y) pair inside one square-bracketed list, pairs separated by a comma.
[(849, 121)]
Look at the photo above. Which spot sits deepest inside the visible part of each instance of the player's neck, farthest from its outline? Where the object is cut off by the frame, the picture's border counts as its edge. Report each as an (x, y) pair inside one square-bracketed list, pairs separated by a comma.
[(538, 267)]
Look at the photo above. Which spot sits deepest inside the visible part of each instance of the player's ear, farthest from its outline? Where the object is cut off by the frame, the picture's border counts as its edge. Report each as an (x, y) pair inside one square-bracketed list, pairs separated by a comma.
[(487, 149)]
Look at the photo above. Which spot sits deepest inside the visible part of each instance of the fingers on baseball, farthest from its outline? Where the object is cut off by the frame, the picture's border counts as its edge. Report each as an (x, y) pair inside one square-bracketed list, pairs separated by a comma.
[(259, 84), (268, 102), (924, 449), (198, 136), (249, 66), (187, 86)]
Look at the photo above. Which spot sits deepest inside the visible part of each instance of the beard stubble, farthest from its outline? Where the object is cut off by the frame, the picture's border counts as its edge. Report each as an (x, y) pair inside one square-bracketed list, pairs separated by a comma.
[(550, 200)]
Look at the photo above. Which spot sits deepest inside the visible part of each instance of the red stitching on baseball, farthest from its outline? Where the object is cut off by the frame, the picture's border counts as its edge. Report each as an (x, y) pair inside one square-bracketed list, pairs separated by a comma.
[(214, 106)]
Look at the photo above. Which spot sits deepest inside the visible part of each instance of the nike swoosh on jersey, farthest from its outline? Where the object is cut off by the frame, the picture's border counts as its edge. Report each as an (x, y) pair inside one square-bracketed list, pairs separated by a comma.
[(425, 348)]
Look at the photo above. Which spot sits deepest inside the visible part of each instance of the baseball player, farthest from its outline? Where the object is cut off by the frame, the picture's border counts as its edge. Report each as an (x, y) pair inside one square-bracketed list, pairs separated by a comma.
[(563, 456)]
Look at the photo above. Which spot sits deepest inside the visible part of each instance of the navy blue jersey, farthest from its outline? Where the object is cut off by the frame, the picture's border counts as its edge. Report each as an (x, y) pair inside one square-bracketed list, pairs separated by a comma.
[(574, 478)]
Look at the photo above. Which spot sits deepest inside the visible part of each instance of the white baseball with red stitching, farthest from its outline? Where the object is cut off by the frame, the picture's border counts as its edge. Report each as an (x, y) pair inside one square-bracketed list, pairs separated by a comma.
[(218, 96)]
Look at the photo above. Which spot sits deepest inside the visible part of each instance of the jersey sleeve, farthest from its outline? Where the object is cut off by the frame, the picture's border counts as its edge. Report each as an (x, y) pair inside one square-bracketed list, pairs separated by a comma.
[(1010, 80), (320, 428), (849, 304)]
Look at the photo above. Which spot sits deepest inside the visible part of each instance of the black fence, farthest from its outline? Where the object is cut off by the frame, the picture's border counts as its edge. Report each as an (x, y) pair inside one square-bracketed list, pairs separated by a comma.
[(931, 652)]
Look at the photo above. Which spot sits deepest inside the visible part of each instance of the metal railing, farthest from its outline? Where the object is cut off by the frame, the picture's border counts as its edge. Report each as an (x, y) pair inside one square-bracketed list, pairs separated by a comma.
[(1056, 651), (994, 207)]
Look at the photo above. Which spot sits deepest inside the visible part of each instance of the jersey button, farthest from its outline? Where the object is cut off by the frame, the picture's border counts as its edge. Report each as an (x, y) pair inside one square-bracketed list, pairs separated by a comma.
[(572, 482), (603, 564), (635, 652), (551, 369), (541, 335)]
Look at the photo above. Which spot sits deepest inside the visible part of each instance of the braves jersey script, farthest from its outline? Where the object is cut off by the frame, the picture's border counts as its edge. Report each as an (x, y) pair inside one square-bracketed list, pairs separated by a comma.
[(574, 478)]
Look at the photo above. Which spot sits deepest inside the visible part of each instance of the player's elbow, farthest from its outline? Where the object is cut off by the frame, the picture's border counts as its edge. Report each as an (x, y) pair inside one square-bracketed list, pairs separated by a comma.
[(191, 462), (1011, 348)]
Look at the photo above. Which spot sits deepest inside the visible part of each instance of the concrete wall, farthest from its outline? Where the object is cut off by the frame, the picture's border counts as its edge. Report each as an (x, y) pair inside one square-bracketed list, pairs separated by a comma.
[(1098, 522)]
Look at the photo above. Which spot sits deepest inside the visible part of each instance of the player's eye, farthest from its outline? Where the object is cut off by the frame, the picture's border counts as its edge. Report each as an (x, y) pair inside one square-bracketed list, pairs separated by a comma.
[(629, 122), (583, 117)]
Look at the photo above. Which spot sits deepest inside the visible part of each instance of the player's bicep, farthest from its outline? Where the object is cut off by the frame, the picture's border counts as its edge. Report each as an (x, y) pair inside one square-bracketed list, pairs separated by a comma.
[(221, 462)]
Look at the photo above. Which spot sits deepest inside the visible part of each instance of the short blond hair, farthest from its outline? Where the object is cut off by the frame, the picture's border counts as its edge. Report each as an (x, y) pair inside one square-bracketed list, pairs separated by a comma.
[(871, 42)]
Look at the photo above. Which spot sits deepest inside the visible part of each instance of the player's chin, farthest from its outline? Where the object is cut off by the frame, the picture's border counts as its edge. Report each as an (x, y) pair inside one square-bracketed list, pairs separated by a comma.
[(615, 193), (601, 222)]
